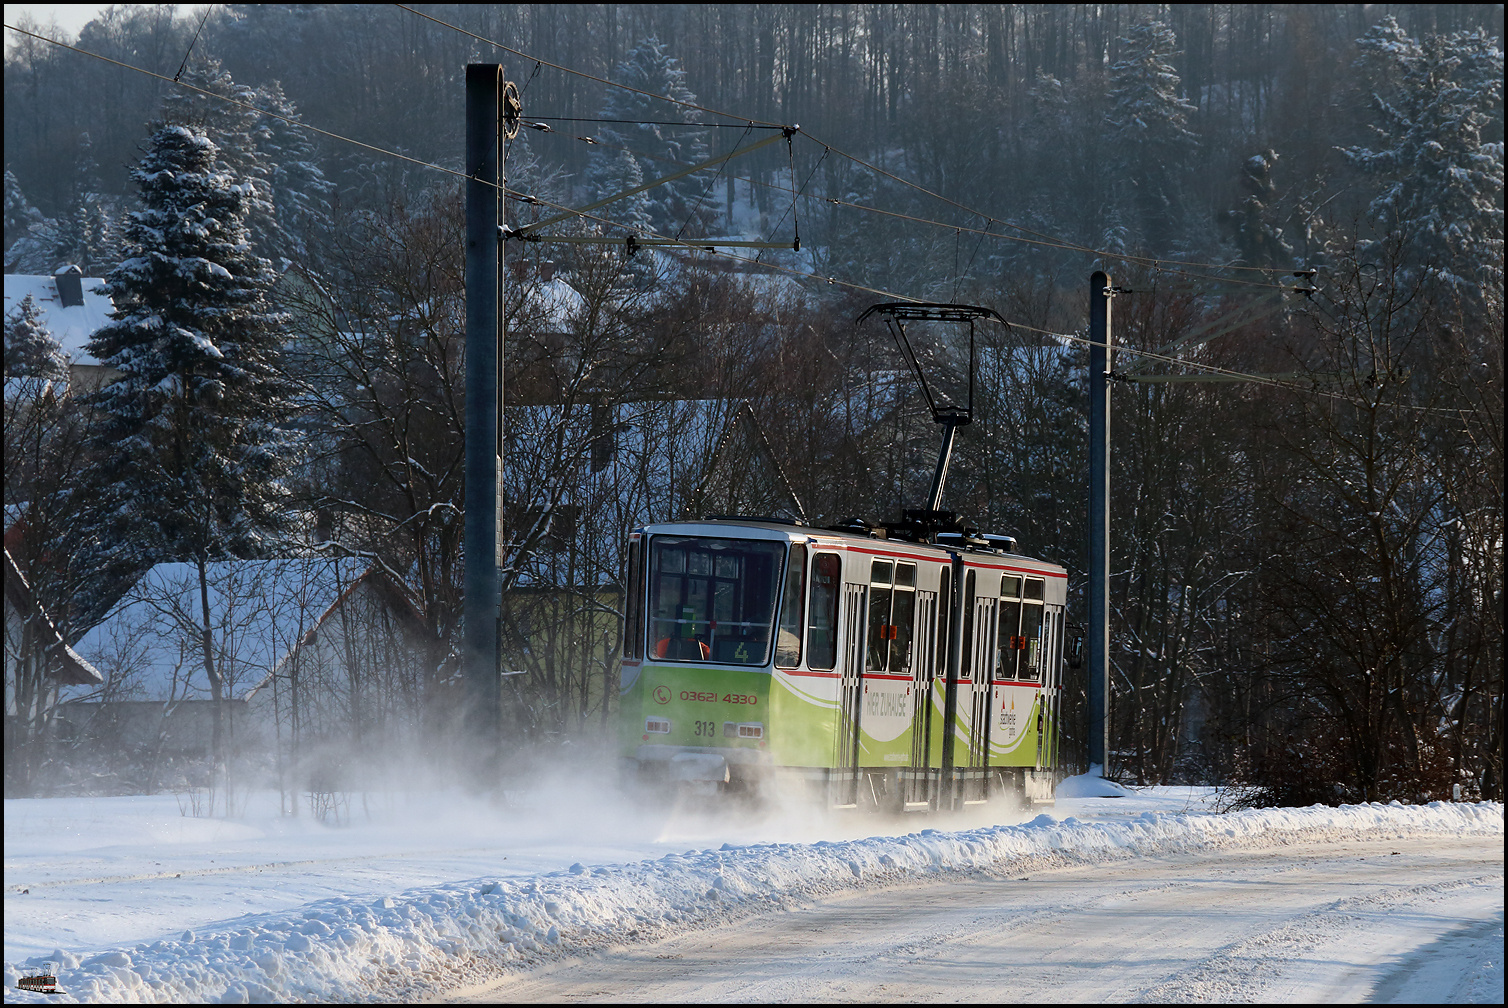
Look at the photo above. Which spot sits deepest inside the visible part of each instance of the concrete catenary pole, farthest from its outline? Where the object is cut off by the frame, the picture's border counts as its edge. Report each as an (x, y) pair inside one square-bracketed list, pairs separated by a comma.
[(484, 82), (1100, 363)]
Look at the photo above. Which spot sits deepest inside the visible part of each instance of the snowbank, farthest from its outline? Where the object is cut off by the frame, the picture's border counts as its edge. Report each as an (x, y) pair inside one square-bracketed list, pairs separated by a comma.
[(430, 940), (1091, 785)]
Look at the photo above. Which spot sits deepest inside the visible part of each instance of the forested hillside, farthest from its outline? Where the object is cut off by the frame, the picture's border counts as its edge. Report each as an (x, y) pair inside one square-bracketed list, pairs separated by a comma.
[(1307, 543)]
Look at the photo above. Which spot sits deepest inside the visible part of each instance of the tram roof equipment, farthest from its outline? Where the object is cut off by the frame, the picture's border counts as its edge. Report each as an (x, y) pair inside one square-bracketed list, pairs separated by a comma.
[(931, 523)]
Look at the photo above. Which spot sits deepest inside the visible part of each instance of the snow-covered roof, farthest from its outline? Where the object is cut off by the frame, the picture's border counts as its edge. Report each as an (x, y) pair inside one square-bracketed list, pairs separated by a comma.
[(558, 305), (72, 326), (65, 664), (149, 644)]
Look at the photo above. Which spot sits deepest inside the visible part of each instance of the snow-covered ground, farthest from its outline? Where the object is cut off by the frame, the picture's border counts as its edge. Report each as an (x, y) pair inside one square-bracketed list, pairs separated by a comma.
[(138, 902)]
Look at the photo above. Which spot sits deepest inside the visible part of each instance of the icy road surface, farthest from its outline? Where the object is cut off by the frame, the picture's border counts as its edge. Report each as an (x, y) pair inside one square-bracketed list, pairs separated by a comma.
[(1313, 923), (90, 873)]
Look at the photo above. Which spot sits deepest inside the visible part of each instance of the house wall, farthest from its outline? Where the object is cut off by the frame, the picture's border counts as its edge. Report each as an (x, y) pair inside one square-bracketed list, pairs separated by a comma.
[(142, 745)]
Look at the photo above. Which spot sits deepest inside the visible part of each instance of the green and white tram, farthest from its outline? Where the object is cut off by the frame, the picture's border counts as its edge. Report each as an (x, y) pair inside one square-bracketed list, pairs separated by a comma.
[(901, 674)]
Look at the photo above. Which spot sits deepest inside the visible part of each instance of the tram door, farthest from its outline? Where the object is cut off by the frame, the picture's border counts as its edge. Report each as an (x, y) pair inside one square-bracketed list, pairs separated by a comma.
[(981, 675), (851, 694), (1051, 670), (916, 790)]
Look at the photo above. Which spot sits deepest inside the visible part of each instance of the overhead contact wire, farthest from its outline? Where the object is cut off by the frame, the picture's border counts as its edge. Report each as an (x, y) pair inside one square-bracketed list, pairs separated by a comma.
[(702, 246)]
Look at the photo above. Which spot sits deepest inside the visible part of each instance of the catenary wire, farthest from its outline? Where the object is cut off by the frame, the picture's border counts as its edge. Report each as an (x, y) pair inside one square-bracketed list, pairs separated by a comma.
[(1045, 240), (287, 119), (1152, 262), (583, 73), (702, 246), (657, 122)]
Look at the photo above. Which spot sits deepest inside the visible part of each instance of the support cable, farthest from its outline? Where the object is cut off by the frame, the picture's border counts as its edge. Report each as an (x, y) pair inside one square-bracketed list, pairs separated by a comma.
[(260, 111), (789, 271), (1154, 263), (582, 73)]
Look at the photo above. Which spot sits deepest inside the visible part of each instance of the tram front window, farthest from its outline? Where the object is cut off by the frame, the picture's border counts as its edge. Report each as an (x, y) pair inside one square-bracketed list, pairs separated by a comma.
[(712, 599)]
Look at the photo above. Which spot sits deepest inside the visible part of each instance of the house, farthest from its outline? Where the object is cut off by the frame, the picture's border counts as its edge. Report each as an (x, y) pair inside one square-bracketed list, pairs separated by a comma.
[(73, 308), (298, 644), (34, 649), (606, 469), (38, 663), (542, 324)]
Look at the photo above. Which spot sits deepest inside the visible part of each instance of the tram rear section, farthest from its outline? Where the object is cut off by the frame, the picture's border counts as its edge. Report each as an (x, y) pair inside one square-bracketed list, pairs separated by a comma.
[(850, 667)]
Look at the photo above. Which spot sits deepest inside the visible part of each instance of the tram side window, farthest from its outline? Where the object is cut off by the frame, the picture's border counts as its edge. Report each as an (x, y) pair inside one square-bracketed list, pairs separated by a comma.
[(713, 599), (788, 640), (944, 621), (1031, 629), (633, 591), (967, 658), (880, 573), (822, 613), (1010, 641), (892, 616), (903, 617)]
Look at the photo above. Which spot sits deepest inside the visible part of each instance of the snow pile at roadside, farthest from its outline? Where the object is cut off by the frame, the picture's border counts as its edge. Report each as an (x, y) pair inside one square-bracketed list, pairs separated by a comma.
[(1090, 785), (429, 940)]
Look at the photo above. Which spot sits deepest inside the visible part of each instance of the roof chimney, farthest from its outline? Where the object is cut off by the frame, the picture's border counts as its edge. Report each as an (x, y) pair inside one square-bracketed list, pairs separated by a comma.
[(70, 284)]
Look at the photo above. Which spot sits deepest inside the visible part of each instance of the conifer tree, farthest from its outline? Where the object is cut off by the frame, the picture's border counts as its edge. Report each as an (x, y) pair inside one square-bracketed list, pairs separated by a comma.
[(240, 133), (299, 190), (20, 215), (30, 350), (687, 206), (1441, 182), (616, 172), (1259, 241), (1149, 133), (29, 236), (191, 449), (85, 232)]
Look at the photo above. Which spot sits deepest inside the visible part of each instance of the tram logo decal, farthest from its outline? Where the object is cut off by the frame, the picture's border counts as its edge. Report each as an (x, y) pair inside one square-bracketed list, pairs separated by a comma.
[(661, 695), (878, 704), (1009, 723)]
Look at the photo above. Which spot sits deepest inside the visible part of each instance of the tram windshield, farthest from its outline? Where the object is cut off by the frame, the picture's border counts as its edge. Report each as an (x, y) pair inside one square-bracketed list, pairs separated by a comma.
[(712, 599)]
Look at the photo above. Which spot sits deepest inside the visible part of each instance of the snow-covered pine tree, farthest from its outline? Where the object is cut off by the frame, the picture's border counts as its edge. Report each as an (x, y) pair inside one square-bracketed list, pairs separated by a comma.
[(85, 229), (240, 133), (1149, 137), (687, 206), (1441, 183), (30, 350), (191, 450), (20, 215), (1257, 238), (300, 192), (29, 236), (617, 171)]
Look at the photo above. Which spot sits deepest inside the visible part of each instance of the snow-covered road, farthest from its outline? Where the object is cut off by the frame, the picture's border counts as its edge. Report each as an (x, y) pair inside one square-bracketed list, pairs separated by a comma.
[(1311, 923), (137, 902)]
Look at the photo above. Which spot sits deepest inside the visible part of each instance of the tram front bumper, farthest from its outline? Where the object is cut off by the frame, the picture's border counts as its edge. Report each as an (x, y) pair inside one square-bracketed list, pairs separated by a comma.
[(688, 766)]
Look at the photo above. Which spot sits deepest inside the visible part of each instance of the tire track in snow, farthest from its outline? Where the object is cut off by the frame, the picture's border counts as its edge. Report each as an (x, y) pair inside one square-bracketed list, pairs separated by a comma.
[(1263, 962)]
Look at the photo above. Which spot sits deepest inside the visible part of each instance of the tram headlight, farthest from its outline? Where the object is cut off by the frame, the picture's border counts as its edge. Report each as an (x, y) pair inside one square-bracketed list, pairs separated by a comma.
[(743, 729), (657, 726)]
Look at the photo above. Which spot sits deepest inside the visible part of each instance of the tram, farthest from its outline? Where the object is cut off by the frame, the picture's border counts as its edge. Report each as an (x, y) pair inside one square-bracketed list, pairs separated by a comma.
[(894, 668), (905, 667)]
